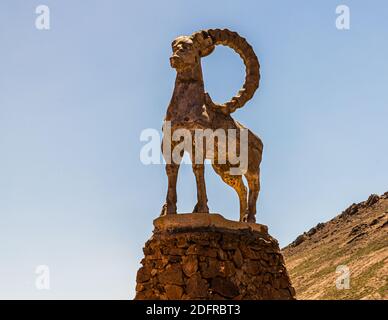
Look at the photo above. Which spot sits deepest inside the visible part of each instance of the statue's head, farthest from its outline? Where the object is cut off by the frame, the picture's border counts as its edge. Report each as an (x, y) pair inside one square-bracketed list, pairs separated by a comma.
[(187, 50)]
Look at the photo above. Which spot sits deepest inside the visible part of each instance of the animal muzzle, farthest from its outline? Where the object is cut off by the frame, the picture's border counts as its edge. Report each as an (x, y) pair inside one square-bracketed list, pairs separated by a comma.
[(175, 61)]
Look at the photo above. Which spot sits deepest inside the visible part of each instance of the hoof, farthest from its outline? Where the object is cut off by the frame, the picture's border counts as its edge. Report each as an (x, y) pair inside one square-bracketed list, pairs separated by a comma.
[(197, 209), (165, 211), (251, 219), (248, 218)]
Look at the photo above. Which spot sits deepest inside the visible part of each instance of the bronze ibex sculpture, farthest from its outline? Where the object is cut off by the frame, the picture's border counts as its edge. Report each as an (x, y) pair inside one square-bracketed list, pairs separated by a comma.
[(191, 108)]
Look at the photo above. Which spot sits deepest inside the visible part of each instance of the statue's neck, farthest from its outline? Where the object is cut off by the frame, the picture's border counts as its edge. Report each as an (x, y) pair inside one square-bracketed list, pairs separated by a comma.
[(188, 93), (191, 75), (189, 84)]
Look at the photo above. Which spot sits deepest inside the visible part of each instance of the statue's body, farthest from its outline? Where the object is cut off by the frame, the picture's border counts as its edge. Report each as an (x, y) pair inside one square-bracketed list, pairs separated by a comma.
[(191, 108)]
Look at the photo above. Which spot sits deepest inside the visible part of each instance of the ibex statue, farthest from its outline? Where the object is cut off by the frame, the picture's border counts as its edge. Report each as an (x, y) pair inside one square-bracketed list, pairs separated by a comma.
[(191, 108)]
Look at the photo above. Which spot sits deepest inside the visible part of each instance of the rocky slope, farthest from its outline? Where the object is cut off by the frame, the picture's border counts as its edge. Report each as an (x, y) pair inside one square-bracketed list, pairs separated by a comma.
[(358, 239)]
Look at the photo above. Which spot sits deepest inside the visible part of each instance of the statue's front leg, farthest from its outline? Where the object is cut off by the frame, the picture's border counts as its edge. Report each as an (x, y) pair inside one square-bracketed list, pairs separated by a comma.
[(201, 206), (172, 174)]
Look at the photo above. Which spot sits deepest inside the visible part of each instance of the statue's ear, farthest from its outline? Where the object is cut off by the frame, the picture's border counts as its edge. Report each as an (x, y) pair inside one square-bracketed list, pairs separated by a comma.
[(206, 51), (207, 44), (204, 43)]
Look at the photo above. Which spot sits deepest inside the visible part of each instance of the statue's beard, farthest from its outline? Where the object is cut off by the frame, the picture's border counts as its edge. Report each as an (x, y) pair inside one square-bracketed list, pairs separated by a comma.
[(177, 63)]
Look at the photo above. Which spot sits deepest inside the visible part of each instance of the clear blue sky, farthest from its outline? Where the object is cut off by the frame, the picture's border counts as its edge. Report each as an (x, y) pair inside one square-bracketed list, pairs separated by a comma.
[(74, 100)]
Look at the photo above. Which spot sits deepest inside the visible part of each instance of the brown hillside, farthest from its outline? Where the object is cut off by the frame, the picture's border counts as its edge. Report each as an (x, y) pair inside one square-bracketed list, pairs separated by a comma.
[(357, 238)]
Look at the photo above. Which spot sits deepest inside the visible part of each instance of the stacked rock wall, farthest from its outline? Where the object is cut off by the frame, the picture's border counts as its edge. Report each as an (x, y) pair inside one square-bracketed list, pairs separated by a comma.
[(211, 259)]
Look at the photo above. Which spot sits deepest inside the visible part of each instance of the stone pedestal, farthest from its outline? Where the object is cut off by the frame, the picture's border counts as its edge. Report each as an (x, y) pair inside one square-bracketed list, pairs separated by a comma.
[(204, 256)]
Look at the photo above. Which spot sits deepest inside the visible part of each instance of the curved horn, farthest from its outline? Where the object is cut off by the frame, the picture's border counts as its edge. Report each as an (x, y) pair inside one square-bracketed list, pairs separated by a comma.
[(252, 68)]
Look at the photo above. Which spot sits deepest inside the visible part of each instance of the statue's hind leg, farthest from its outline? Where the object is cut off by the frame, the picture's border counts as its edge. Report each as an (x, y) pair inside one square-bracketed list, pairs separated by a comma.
[(237, 183), (254, 189)]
